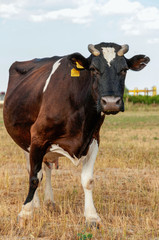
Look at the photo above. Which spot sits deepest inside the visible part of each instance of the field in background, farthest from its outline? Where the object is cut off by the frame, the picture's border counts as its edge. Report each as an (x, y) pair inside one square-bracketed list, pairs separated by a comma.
[(126, 192)]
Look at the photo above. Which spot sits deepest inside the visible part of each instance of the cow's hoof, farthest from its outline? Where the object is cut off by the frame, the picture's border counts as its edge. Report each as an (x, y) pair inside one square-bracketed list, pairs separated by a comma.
[(52, 207), (93, 222), (23, 220), (93, 225)]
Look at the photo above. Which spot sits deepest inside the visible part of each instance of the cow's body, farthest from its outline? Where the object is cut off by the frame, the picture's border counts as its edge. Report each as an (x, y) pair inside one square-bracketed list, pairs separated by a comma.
[(67, 117), (48, 110)]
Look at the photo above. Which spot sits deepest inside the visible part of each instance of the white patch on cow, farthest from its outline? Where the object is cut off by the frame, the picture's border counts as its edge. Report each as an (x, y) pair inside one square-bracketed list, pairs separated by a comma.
[(40, 175), (87, 182), (109, 54), (36, 201), (27, 210), (54, 68), (56, 148)]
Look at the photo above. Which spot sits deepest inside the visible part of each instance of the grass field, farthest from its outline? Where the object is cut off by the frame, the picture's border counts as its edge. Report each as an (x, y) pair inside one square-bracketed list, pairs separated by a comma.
[(126, 191)]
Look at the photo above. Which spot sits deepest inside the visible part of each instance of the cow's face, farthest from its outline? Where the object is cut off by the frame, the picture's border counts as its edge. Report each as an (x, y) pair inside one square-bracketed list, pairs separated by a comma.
[(108, 67)]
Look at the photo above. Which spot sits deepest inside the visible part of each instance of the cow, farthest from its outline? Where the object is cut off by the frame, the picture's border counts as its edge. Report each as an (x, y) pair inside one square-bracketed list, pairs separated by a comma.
[(55, 107)]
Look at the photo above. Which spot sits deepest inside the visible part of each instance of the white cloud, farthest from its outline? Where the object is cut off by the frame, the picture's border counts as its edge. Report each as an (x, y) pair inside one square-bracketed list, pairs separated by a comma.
[(144, 20), (134, 18), (77, 15), (122, 7), (81, 12), (85, 10), (8, 10)]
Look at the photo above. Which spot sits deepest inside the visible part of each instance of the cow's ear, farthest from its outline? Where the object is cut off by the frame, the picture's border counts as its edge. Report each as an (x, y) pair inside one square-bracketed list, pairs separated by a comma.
[(138, 62), (78, 61)]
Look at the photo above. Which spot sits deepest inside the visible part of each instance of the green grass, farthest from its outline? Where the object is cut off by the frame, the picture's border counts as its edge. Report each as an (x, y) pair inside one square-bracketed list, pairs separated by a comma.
[(132, 120)]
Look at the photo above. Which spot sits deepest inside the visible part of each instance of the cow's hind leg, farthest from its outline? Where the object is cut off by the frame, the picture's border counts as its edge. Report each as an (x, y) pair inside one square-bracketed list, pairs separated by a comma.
[(49, 159), (90, 213), (37, 152), (48, 198)]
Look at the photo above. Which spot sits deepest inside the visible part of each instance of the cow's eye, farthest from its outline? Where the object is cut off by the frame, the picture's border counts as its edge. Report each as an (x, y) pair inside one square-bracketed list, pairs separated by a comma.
[(123, 71), (93, 69)]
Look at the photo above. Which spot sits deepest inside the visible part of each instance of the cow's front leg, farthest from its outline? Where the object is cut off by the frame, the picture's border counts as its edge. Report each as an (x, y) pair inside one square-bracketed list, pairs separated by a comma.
[(87, 183), (36, 201), (36, 156)]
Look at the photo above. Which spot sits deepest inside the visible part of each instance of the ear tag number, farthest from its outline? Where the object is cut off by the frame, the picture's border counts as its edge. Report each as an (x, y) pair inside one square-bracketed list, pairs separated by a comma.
[(74, 72)]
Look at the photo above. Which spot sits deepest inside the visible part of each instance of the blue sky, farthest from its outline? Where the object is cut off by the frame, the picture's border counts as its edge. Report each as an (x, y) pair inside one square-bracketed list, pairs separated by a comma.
[(43, 28)]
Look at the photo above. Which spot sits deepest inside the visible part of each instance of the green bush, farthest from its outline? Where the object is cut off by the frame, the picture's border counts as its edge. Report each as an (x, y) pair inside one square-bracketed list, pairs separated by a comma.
[(142, 99)]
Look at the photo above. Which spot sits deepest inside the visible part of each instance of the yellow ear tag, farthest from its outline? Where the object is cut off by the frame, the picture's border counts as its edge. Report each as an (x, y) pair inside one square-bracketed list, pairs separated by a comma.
[(79, 66), (74, 72)]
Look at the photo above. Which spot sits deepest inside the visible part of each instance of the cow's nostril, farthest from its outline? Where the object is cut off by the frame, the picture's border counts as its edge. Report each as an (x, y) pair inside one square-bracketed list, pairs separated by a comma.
[(118, 102), (103, 101)]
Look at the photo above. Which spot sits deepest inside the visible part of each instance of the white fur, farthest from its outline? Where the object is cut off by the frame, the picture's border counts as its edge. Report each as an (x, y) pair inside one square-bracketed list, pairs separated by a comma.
[(40, 175), (109, 54), (27, 210), (87, 176), (56, 148), (54, 68)]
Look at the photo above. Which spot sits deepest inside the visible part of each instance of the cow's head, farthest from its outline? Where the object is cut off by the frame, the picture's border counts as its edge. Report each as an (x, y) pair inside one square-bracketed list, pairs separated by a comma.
[(108, 67)]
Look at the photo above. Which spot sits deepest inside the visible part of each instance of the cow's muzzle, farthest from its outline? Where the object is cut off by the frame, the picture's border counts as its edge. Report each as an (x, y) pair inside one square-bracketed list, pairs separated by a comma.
[(111, 104)]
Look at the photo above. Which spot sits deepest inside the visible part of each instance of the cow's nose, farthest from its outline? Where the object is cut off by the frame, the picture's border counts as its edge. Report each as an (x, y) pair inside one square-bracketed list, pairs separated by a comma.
[(111, 104)]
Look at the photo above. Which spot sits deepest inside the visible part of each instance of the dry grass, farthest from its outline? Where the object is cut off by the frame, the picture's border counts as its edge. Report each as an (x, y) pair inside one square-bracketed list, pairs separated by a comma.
[(126, 192)]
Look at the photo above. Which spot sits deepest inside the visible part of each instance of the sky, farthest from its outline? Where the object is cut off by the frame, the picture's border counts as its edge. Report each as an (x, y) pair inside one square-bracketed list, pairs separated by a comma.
[(45, 28)]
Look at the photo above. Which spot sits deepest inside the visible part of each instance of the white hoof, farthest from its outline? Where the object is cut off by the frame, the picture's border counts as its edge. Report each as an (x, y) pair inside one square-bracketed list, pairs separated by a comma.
[(23, 219), (25, 214), (93, 221)]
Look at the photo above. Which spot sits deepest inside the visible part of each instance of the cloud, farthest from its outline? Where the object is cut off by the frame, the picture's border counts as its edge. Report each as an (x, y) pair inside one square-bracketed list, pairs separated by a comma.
[(84, 11), (79, 15), (8, 10), (122, 7), (142, 21), (134, 18), (80, 12)]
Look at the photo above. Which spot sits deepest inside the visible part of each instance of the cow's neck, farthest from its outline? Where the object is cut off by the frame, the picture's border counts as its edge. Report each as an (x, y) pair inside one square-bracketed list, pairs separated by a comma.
[(91, 126)]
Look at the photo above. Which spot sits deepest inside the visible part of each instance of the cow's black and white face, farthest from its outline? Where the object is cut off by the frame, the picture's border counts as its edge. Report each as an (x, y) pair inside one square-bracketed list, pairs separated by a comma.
[(108, 72), (108, 67)]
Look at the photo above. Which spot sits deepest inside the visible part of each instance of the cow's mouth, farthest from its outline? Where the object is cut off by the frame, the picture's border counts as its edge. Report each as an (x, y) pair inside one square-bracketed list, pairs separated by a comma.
[(111, 112)]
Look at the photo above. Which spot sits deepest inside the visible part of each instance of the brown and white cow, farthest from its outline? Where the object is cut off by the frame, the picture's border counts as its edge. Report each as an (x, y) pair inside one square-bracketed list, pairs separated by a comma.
[(55, 106)]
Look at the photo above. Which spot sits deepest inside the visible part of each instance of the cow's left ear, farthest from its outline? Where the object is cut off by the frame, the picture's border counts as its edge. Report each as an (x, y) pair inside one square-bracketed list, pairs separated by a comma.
[(138, 62), (78, 61)]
